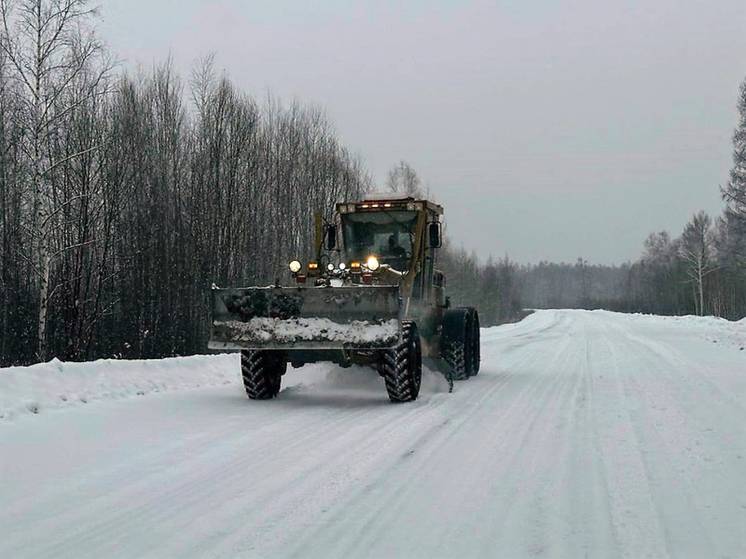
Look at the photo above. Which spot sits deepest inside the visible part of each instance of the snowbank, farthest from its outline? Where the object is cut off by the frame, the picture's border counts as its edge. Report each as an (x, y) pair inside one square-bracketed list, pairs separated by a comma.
[(711, 328), (25, 390), (53, 385)]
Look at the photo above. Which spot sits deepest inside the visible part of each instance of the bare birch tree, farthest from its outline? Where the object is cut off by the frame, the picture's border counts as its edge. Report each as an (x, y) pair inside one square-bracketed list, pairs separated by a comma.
[(50, 49), (697, 250)]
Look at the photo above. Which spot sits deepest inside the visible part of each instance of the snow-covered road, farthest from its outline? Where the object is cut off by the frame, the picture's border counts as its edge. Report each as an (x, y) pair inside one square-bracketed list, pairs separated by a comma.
[(586, 434)]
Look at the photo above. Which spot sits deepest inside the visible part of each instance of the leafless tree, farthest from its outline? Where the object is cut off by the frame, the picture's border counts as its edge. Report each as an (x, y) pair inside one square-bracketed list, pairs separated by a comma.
[(51, 52), (697, 250), (402, 178)]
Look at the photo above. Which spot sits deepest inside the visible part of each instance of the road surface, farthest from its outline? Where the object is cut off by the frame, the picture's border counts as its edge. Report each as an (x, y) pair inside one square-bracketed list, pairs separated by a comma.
[(586, 434)]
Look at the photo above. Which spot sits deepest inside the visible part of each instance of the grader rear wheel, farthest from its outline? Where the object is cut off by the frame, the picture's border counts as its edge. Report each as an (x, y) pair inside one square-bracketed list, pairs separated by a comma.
[(460, 342)]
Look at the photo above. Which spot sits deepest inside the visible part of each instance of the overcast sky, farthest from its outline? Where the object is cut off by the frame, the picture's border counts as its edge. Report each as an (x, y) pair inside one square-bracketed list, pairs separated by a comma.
[(548, 129)]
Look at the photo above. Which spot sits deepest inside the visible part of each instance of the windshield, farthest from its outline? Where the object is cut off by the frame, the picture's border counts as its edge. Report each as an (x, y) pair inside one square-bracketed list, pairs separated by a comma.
[(387, 235)]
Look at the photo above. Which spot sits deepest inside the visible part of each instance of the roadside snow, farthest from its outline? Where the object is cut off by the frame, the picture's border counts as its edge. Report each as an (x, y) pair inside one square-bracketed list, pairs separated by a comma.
[(25, 390), (48, 386), (713, 329)]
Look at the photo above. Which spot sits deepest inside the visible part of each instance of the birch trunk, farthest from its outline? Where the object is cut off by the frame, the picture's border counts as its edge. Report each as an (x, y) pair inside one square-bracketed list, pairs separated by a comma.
[(44, 273)]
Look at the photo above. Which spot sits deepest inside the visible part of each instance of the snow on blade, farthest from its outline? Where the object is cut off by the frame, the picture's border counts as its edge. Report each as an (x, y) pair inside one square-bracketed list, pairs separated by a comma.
[(357, 332)]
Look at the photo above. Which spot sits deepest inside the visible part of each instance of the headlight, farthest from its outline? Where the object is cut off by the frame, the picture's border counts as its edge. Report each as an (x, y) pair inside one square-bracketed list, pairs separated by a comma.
[(330, 267), (294, 266), (342, 266), (372, 264)]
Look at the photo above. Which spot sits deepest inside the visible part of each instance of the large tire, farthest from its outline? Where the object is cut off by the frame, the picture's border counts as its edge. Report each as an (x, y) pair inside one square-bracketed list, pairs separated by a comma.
[(454, 346), (401, 366), (459, 346), (262, 373), (473, 339)]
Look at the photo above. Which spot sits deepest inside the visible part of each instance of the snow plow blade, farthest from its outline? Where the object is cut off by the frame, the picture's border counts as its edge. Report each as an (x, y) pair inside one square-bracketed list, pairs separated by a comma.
[(306, 318)]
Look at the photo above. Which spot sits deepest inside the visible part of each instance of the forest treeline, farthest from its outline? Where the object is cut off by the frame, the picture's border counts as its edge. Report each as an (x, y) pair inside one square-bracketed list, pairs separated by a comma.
[(124, 197)]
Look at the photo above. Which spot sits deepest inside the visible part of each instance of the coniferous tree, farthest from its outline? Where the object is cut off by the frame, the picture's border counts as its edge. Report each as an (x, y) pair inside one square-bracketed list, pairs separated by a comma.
[(735, 191)]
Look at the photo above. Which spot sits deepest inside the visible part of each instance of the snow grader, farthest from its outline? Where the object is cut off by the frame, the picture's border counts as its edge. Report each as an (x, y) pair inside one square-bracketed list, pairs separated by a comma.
[(372, 295)]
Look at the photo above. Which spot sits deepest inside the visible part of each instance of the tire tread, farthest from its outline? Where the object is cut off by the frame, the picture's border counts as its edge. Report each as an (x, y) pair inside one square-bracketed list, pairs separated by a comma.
[(262, 374)]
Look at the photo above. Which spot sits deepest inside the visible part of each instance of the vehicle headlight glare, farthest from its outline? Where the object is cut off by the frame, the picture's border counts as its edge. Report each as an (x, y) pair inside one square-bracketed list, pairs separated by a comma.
[(330, 267), (372, 264), (342, 266), (295, 266)]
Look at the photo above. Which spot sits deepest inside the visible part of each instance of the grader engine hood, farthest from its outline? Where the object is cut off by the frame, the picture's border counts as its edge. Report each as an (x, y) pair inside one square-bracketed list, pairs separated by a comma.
[(284, 318)]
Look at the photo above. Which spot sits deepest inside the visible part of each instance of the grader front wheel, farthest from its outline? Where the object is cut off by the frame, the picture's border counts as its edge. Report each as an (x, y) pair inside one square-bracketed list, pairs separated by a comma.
[(401, 366), (262, 373)]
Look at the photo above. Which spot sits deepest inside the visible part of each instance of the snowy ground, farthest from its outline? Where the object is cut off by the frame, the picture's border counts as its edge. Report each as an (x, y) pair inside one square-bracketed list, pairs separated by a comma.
[(587, 434)]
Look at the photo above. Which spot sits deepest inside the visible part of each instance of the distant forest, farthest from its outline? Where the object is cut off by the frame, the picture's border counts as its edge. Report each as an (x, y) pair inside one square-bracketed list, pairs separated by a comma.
[(123, 197)]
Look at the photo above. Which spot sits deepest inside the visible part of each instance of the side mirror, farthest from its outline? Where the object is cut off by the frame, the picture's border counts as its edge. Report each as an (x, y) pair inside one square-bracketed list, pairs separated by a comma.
[(434, 234), (330, 237)]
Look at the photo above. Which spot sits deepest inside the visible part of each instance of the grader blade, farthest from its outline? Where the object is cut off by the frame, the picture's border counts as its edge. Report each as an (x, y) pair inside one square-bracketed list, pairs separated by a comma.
[(307, 318)]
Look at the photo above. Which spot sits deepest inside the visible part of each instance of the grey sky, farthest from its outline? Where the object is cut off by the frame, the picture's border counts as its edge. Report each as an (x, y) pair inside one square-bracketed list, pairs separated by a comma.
[(550, 130)]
